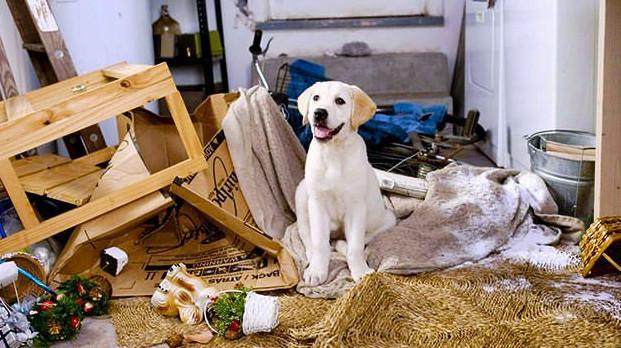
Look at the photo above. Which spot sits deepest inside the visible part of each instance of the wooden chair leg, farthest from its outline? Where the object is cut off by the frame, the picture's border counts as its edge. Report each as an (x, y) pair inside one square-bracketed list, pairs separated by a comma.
[(184, 125), (17, 194)]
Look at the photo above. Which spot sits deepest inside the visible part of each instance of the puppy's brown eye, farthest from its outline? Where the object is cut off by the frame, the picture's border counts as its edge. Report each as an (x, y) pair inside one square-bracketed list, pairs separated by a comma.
[(339, 101), (315, 97)]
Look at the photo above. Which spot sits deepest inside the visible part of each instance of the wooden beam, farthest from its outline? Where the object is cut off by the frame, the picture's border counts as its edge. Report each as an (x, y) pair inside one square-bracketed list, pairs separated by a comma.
[(84, 109), (608, 125), (100, 206), (18, 196), (97, 157), (183, 122)]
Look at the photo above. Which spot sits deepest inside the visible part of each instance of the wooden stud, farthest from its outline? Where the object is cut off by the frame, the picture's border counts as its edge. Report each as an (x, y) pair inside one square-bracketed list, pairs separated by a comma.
[(608, 125), (18, 196), (179, 113)]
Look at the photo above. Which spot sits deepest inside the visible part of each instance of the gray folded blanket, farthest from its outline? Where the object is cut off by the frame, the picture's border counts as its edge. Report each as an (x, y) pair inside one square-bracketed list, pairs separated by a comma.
[(468, 212)]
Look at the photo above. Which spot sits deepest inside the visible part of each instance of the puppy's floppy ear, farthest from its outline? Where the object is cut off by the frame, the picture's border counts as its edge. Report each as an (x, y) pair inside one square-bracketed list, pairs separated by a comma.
[(303, 101), (363, 108)]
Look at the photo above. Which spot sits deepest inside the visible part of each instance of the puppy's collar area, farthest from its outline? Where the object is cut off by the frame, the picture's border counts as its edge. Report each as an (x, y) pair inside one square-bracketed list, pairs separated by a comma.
[(323, 133)]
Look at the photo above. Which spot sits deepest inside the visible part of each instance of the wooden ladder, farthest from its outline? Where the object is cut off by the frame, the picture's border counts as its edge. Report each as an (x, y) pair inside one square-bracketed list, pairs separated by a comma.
[(51, 61)]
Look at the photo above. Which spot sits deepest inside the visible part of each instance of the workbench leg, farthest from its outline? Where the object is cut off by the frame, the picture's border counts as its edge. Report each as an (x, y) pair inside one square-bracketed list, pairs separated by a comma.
[(17, 194)]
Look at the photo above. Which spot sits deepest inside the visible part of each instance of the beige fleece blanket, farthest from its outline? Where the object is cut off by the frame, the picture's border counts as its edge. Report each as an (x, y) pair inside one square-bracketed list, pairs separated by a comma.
[(468, 212), (267, 156)]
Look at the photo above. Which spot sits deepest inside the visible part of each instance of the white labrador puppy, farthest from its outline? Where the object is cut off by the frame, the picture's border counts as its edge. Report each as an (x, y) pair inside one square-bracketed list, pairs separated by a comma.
[(340, 192)]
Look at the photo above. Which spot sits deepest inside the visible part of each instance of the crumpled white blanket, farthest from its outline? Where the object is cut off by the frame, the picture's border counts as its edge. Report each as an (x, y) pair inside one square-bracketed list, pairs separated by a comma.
[(468, 213)]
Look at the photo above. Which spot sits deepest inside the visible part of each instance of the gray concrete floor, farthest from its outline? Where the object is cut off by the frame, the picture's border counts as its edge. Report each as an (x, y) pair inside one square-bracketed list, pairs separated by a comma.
[(95, 332)]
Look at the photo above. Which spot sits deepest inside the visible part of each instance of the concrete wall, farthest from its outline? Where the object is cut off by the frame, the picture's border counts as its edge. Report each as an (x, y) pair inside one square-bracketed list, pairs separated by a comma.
[(238, 37)]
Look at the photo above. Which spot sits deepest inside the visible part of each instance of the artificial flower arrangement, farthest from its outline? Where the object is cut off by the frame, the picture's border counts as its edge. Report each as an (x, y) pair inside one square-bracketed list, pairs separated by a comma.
[(59, 317)]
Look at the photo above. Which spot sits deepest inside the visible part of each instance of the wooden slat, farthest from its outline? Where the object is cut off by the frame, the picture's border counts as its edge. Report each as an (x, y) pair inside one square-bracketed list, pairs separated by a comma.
[(100, 206), (184, 125), (122, 70), (47, 96), (39, 183), (18, 196), (608, 124), (35, 164), (17, 107), (76, 192), (97, 157), (86, 109)]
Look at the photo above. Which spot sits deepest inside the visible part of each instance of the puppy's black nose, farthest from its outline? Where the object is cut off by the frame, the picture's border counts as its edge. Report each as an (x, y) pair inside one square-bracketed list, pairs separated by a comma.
[(321, 114)]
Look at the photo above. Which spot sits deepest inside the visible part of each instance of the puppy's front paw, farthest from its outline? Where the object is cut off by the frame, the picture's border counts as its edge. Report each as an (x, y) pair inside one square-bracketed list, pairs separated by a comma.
[(316, 274), (358, 272)]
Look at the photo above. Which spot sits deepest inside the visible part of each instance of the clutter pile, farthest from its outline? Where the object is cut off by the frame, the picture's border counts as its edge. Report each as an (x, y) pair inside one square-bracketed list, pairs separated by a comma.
[(197, 212)]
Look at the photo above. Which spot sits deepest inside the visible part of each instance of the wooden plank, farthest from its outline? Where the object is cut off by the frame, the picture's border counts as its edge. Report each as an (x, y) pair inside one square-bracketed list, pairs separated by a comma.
[(85, 109), (17, 107), (183, 122), (76, 192), (551, 146), (35, 164), (100, 206), (97, 157), (122, 70), (18, 196), (47, 96), (39, 183), (608, 124), (8, 87)]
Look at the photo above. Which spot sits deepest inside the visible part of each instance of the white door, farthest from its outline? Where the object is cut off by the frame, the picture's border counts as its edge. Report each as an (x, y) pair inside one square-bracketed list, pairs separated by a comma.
[(482, 68)]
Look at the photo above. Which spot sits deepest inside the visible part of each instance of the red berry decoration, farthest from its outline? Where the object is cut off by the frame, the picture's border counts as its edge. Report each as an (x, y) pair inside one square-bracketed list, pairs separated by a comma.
[(46, 305), (79, 288), (88, 307), (74, 322), (79, 302), (234, 325)]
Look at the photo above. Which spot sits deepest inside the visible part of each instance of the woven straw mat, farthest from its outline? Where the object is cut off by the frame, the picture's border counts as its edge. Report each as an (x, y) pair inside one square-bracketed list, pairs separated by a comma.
[(490, 304)]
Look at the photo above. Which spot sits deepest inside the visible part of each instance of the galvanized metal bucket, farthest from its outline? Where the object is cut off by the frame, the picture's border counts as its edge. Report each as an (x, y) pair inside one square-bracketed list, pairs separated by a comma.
[(571, 182)]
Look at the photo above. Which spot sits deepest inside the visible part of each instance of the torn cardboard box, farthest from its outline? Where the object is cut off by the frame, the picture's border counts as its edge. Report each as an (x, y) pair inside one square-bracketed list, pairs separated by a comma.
[(216, 253), (213, 232), (125, 167)]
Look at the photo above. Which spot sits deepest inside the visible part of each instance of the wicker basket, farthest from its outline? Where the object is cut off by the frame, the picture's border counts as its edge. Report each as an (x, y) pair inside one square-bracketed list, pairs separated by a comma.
[(601, 246), (24, 286)]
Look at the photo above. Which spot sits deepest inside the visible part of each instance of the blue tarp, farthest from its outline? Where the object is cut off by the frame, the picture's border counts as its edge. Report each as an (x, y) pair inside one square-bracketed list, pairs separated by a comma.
[(382, 128)]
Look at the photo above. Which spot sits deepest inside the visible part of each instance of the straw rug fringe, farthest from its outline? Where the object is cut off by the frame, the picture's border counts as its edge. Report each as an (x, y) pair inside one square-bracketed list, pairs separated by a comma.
[(497, 304)]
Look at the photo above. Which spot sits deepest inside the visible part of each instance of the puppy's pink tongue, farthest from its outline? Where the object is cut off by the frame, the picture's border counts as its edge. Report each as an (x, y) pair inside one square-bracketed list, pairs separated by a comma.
[(322, 132)]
